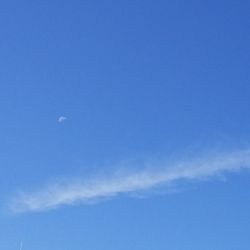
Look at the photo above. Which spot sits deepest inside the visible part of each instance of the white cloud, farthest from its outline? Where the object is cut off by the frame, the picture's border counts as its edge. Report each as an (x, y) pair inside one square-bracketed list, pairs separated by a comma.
[(91, 189), (61, 119)]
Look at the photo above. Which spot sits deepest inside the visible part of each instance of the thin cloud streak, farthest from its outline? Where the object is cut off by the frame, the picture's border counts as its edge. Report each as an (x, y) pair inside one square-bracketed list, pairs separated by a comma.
[(86, 191), (21, 245), (62, 119)]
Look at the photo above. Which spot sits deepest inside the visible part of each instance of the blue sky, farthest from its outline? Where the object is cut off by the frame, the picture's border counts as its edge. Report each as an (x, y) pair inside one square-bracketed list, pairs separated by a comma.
[(124, 125)]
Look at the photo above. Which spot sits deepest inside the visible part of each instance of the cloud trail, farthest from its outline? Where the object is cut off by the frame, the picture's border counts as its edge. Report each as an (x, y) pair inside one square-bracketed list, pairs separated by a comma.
[(21, 245), (89, 190), (62, 119)]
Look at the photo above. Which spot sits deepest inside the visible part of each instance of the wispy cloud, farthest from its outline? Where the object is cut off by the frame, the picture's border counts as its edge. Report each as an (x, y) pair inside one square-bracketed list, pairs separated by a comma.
[(62, 119), (91, 189)]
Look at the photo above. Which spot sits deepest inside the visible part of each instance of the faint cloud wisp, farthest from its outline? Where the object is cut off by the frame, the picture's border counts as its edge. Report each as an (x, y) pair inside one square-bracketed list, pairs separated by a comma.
[(91, 189), (62, 119)]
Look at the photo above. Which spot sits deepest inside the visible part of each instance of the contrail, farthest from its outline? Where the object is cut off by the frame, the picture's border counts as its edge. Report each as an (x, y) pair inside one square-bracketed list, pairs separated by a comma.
[(91, 189), (21, 245)]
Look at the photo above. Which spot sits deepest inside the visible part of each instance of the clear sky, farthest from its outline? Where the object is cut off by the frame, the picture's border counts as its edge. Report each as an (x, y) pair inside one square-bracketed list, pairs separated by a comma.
[(124, 125)]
